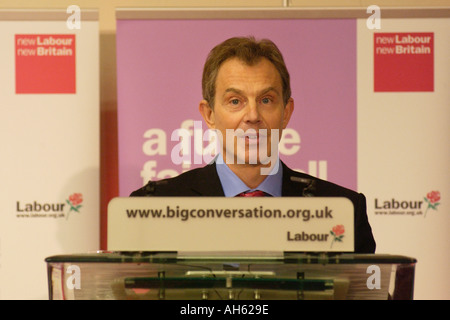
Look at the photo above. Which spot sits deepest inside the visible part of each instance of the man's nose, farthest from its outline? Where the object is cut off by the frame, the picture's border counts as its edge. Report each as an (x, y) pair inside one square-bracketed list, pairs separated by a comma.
[(252, 113)]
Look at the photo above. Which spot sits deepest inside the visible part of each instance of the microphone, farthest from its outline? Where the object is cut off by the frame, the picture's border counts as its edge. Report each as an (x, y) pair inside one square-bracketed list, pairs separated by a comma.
[(309, 186), (150, 187), (310, 189)]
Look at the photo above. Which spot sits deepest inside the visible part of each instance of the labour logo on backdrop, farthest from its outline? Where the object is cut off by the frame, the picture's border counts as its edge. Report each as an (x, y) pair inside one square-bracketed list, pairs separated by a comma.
[(432, 200), (403, 62), (338, 233), (46, 209), (45, 63), (408, 207), (74, 203)]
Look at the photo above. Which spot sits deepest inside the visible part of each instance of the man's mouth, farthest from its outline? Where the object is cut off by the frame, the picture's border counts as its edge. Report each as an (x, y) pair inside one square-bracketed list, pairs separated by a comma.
[(251, 136)]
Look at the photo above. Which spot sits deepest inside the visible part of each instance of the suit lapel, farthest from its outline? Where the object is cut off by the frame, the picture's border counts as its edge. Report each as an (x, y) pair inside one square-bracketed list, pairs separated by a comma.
[(207, 182)]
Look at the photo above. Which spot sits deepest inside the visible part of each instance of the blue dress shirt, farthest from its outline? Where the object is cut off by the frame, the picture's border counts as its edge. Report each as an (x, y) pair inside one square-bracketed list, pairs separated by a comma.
[(232, 185)]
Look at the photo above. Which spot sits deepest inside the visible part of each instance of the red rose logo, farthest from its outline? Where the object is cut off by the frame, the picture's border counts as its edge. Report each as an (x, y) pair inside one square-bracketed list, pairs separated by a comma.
[(76, 198), (338, 233), (432, 199), (338, 230), (74, 202), (434, 196)]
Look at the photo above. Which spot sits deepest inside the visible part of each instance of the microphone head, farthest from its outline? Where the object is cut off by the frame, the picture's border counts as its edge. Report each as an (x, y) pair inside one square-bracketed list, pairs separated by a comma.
[(309, 185)]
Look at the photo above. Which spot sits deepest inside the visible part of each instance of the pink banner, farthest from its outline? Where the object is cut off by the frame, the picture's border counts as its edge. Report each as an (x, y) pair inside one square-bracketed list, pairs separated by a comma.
[(159, 66)]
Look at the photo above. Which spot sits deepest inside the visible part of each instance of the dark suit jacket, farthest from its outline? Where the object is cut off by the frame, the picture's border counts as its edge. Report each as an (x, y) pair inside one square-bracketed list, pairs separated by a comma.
[(205, 182)]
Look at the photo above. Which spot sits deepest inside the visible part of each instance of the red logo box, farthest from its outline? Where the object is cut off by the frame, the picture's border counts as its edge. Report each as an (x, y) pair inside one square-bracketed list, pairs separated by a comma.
[(403, 62), (45, 63)]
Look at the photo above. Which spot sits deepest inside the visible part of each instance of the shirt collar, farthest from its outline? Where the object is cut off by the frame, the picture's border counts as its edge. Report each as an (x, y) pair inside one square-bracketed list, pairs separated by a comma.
[(232, 185)]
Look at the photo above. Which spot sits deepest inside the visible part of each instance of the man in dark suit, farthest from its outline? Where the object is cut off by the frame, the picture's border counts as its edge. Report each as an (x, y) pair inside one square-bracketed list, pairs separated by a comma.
[(246, 91)]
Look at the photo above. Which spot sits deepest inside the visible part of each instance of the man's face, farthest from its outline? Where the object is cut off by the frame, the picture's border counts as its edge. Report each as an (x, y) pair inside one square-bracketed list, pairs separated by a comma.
[(249, 105)]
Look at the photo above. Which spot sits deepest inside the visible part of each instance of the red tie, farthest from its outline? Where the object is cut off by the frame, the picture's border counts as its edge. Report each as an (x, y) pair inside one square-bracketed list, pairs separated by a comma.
[(256, 193)]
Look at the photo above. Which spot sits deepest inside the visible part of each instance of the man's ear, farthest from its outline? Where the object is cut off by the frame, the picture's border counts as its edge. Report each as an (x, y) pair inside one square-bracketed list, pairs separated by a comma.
[(288, 110), (207, 114)]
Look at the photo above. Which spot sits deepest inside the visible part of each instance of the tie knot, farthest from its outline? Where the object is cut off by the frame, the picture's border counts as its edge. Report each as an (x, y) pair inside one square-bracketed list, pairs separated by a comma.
[(256, 193)]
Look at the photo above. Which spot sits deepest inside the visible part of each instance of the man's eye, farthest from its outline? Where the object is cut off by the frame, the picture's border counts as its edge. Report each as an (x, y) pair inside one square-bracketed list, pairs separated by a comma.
[(265, 100), (234, 101)]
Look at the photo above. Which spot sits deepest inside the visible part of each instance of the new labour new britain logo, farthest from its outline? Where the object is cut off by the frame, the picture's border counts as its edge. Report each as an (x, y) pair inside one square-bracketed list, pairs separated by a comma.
[(404, 62), (45, 63), (38, 209)]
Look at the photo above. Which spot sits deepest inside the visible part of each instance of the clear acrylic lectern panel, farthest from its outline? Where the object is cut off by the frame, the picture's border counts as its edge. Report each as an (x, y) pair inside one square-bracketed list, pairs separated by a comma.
[(241, 276)]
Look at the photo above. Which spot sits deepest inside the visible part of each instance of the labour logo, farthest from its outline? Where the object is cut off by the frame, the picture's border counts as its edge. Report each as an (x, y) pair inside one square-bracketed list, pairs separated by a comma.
[(338, 233), (75, 200), (432, 199)]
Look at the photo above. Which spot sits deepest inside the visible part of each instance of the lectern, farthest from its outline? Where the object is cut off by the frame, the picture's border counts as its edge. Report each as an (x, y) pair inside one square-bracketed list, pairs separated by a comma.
[(230, 248), (233, 276)]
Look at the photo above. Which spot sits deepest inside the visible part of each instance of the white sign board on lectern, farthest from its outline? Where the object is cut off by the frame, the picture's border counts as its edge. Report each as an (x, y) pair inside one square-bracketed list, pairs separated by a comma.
[(230, 224)]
